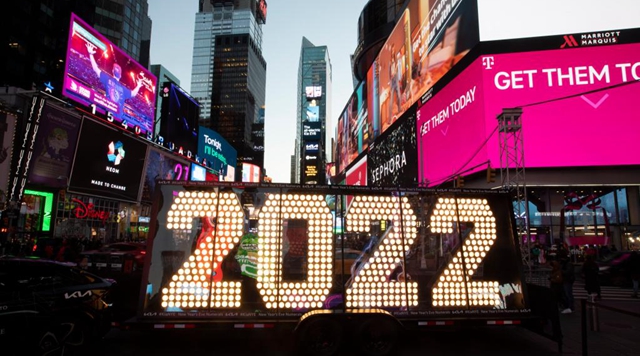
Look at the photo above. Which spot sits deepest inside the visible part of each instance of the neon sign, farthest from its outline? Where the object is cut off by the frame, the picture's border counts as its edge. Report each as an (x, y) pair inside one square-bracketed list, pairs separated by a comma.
[(88, 211)]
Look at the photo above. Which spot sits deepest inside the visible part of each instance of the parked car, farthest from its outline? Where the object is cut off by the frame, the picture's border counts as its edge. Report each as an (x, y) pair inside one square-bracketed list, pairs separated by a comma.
[(50, 308), (119, 257), (614, 269)]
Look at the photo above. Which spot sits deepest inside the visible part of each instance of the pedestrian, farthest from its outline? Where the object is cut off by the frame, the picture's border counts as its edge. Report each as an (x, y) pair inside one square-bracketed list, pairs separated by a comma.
[(555, 281), (535, 251), (590, 271), (634, 271), (568, 277)]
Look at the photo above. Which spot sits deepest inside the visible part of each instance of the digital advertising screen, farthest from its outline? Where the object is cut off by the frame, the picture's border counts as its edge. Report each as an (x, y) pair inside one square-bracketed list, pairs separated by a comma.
[(198, 173), (99, 73), (451, 129), (311, 147), (578, 104), (250, 173), (215, 152), (429, 38), (391, 161), (311, 130), (108, 162), (313, 113), (160, 166), (54, 147), (262, 10), (577, 111), (179, 120), (357, 174), (361, 130), (313, 92)]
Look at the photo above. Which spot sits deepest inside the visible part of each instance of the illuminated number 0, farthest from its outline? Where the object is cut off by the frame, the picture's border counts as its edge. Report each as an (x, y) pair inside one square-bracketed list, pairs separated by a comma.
[(371, 285), (312, 292), (454, 283), (189, 287)]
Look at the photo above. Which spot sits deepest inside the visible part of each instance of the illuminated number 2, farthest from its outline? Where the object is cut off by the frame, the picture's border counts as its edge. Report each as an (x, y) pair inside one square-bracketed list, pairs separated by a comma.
[(312, 292), (190, 287), (454, 284), (371, 285)]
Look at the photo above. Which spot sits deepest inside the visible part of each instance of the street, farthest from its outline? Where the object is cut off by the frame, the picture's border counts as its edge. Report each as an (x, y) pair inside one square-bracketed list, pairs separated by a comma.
[(617, 336)]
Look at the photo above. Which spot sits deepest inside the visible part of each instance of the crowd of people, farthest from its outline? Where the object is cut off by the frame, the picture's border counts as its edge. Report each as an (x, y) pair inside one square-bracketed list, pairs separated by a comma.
[(564, 272)]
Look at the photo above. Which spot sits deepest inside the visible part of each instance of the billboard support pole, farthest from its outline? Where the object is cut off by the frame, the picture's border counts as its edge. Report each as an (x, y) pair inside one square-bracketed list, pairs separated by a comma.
[(512, 174)]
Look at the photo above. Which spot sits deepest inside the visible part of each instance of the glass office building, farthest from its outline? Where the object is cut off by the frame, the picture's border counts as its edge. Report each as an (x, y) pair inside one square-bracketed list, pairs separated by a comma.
[(217, 18), (313, 111)]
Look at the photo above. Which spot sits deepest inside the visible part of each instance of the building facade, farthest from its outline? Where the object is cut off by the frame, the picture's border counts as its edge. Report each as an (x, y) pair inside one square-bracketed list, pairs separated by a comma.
[(229, 73), (36, 33), (313, 139), (163, 75), (447, 108), (127, 24)]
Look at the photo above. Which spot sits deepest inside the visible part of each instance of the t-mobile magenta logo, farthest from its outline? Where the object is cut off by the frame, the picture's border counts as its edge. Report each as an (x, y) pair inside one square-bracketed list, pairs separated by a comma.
[(488, 62)]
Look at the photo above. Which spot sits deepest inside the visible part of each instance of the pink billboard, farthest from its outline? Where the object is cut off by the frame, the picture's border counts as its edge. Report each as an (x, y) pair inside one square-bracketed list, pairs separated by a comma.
[(568, 120), (451, 129), (101, 74), (577, 111)]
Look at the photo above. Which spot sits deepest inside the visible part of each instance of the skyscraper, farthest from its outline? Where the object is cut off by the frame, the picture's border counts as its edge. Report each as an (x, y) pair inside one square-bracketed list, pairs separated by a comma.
[(35, 35), (228, 75), (127, 24), (313, 139)]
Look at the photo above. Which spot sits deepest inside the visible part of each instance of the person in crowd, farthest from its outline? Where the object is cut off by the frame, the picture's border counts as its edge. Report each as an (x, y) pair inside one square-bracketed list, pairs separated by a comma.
[(535, 252), (590, 271), (634, 271), (568, 278), (556, 283)]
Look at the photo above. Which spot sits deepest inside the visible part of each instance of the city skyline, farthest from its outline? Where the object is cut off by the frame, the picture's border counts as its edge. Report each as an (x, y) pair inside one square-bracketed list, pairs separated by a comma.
[(287, 23)]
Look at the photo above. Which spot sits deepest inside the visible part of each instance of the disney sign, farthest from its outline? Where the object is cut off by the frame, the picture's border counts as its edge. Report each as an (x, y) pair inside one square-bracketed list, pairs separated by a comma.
[(88, 211)]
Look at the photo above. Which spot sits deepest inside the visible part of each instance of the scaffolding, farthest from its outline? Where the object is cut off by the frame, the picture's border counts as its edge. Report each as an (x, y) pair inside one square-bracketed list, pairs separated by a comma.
[(512, 173)]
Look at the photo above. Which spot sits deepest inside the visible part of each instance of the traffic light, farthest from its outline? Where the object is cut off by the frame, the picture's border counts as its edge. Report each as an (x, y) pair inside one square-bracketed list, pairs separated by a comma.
[(491, 175), (458, 182)]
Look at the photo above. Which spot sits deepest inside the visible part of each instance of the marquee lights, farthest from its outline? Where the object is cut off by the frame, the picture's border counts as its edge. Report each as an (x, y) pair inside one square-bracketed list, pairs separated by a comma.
[(275, 292), (372, 286), (189, 287), (375, 283), (454, 284)]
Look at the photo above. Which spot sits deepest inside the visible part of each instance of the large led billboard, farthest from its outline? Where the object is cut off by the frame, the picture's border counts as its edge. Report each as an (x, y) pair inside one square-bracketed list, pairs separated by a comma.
[(99, 73), (160, 166), (577, 111), (54, 147), (313, 113), (250, 173), (391, 162), (108, 163), (451, 129), (311, 131), (215, 152), (361, 130), (179, 120), (578, 104), (430, 37)]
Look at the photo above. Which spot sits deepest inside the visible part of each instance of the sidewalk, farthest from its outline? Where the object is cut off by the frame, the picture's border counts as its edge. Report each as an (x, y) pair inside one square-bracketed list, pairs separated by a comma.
[(618, 334)]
